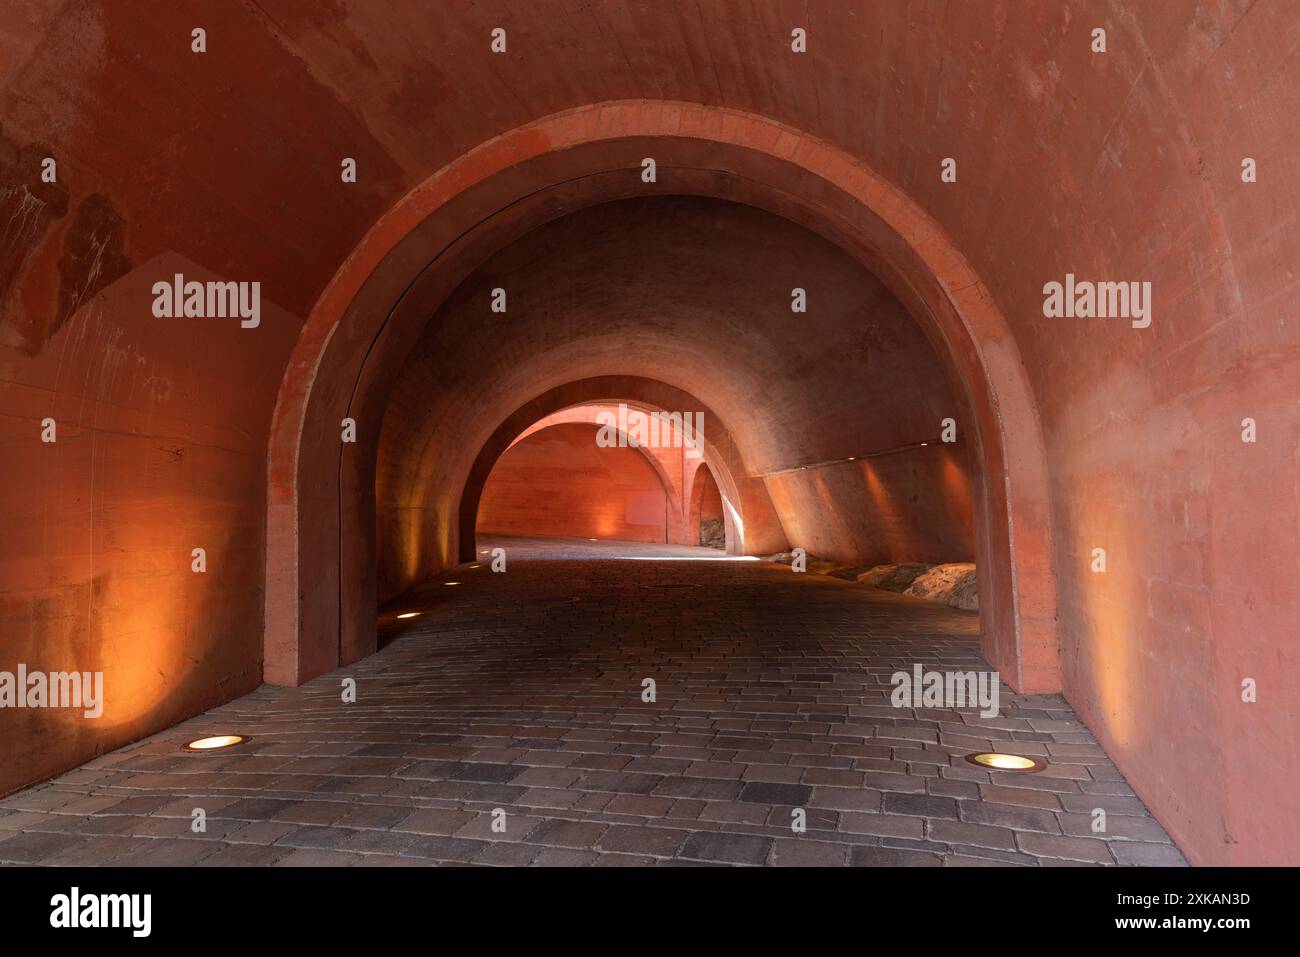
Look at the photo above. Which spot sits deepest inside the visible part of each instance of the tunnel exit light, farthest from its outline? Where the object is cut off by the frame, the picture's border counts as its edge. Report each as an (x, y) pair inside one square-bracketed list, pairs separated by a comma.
[(1006, 762), (216, 742)]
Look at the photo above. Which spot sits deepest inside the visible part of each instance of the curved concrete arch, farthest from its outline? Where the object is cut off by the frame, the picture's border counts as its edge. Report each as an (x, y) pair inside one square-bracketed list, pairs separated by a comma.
[(673, 500), (520, 178), (588, 413), (718, 447)]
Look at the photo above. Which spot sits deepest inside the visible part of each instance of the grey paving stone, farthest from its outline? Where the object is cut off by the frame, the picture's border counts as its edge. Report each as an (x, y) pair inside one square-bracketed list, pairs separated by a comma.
[(892, 857), (790, 795), (35, 847), (726, 848), (517, 696)]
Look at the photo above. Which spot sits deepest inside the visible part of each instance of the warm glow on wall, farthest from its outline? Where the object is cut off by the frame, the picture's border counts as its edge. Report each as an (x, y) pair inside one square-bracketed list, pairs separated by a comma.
[(1111, 646), (881, 502), (410, 542)]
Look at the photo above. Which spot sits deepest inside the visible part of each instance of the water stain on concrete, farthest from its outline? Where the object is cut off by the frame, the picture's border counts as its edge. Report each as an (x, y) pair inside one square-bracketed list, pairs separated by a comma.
[(93, 255), (28, 209)]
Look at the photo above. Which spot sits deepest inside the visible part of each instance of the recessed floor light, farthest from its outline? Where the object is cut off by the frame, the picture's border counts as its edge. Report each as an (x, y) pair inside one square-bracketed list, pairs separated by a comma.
[(409, 614), (1006, 762), (216, 742), (451, 583)]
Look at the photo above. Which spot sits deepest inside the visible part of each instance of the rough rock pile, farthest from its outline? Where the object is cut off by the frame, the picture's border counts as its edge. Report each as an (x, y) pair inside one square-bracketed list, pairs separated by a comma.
[(713, 533), (952, 583), (813, 564), (893, 577)]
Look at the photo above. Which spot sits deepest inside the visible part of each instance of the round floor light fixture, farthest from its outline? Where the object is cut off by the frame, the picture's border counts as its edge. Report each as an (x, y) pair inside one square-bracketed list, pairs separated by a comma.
[(215, 743), (997, 761)]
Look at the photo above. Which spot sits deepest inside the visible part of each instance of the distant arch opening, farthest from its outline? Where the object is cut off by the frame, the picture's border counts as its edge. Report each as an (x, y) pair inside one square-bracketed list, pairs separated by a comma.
[(707, 521), (559, 481)]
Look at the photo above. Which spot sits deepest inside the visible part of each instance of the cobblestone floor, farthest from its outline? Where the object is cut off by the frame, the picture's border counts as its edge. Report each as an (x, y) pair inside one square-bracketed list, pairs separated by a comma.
[(522, 692)]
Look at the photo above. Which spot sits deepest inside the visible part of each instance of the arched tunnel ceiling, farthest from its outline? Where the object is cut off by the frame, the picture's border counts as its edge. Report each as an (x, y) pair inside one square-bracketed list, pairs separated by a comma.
[(231, 157), (1122, 166), (688, 291)]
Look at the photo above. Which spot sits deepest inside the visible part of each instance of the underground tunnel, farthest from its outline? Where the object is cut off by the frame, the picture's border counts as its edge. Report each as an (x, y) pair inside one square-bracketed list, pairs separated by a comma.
[(853, 435)]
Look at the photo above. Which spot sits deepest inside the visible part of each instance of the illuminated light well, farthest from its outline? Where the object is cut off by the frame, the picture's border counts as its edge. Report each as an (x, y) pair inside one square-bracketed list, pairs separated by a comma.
[(1005, 762), (216, 742), (451, 583), (409, 614)]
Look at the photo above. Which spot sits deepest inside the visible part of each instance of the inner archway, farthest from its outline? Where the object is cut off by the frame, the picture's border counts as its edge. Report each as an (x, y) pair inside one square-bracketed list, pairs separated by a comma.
[(744, 158), (707, 513), (673, 453), (557, 480)]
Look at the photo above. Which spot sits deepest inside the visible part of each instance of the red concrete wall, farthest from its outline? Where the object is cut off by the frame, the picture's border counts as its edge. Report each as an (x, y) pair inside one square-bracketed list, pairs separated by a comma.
[(909, 506), (710, 499), (559, 482), (156, 454)]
